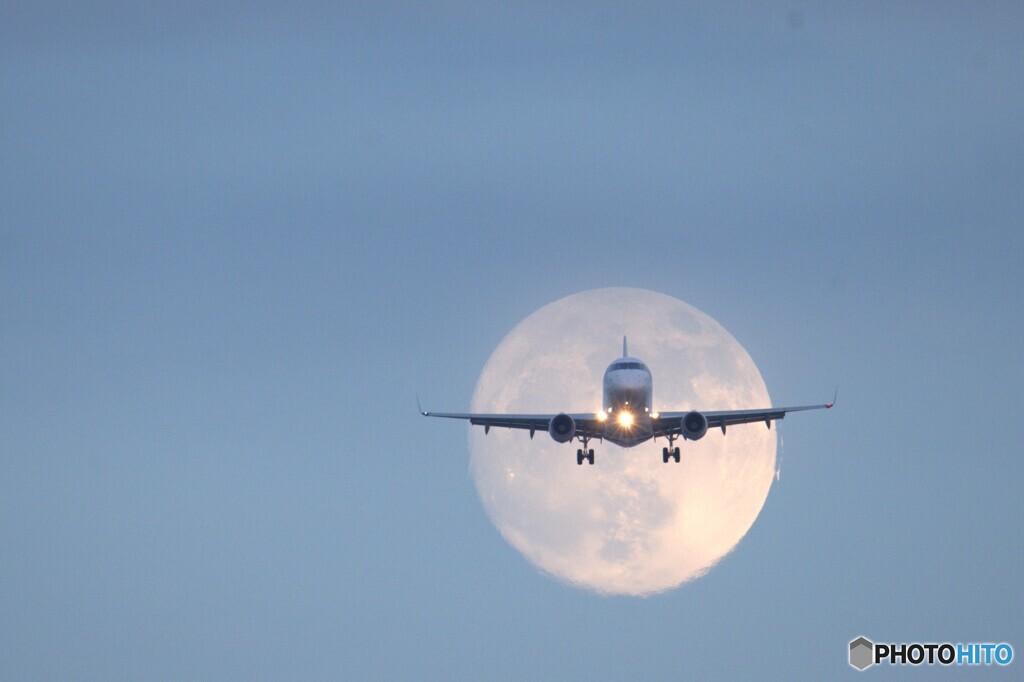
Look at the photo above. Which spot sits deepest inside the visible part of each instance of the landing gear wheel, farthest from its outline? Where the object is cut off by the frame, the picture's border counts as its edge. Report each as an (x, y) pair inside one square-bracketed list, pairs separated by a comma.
[(590, 456), (579, 457), (664, 455), (675, 455)]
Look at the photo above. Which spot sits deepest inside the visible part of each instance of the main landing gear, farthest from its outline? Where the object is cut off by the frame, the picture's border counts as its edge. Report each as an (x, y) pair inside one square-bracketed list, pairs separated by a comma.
[(584, 454), (670, 452)]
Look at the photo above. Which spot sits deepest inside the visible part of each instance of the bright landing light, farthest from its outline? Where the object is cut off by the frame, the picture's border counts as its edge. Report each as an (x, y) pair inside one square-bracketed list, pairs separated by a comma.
[(625, 419)]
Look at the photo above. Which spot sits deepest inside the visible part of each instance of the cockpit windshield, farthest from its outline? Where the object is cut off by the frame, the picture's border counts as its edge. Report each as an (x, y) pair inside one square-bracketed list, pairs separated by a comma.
[(629, 365)]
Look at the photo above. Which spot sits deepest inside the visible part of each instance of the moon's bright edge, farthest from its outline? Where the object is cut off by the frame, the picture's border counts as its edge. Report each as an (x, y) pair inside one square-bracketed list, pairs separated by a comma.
[(630, 524)]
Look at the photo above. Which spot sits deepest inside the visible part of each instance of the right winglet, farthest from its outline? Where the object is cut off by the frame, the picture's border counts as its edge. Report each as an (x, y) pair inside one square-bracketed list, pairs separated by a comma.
[(419, 407)]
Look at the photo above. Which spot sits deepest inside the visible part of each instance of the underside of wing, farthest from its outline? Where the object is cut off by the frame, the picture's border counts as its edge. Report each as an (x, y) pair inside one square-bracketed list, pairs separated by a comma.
[(671, 423), (583, 424)]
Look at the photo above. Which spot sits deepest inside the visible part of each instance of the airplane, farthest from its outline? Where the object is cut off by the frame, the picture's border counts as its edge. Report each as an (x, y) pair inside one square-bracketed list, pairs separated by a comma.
[(627, 417)]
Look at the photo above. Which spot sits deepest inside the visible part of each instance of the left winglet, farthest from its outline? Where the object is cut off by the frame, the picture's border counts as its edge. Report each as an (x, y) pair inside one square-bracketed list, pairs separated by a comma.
[(834, 397)]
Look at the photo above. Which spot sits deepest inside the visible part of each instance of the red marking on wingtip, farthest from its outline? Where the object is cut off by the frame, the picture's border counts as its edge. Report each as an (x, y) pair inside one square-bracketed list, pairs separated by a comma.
[(829, 405)]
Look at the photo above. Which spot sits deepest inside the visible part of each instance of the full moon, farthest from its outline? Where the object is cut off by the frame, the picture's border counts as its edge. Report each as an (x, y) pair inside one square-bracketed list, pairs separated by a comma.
[(630, 524)]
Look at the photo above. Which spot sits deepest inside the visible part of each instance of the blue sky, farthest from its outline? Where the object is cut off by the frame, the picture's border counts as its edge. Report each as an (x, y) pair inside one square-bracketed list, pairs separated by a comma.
[(236, 239)]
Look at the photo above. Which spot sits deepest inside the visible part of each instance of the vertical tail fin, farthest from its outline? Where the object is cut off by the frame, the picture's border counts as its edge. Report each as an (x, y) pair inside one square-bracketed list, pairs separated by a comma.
[(625, 353)]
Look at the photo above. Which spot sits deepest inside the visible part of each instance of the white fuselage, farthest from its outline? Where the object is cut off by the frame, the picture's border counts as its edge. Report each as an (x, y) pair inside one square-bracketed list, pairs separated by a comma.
[(628, 402)]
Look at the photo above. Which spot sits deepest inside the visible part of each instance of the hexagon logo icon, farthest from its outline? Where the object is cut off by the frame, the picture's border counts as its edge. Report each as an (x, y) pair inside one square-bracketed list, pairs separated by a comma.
[(862, 653)]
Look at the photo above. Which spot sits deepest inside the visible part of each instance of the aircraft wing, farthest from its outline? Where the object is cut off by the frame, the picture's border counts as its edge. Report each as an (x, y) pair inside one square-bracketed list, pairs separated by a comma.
[(586, 424), (670, 423)]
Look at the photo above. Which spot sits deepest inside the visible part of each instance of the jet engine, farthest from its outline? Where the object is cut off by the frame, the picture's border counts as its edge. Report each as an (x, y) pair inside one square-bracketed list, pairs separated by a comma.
[(694, 425), (562, 428)]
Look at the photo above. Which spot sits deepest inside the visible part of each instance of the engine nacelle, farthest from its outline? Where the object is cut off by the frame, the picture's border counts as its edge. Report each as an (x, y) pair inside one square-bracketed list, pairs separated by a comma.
[(694, 425), (562, 428)]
